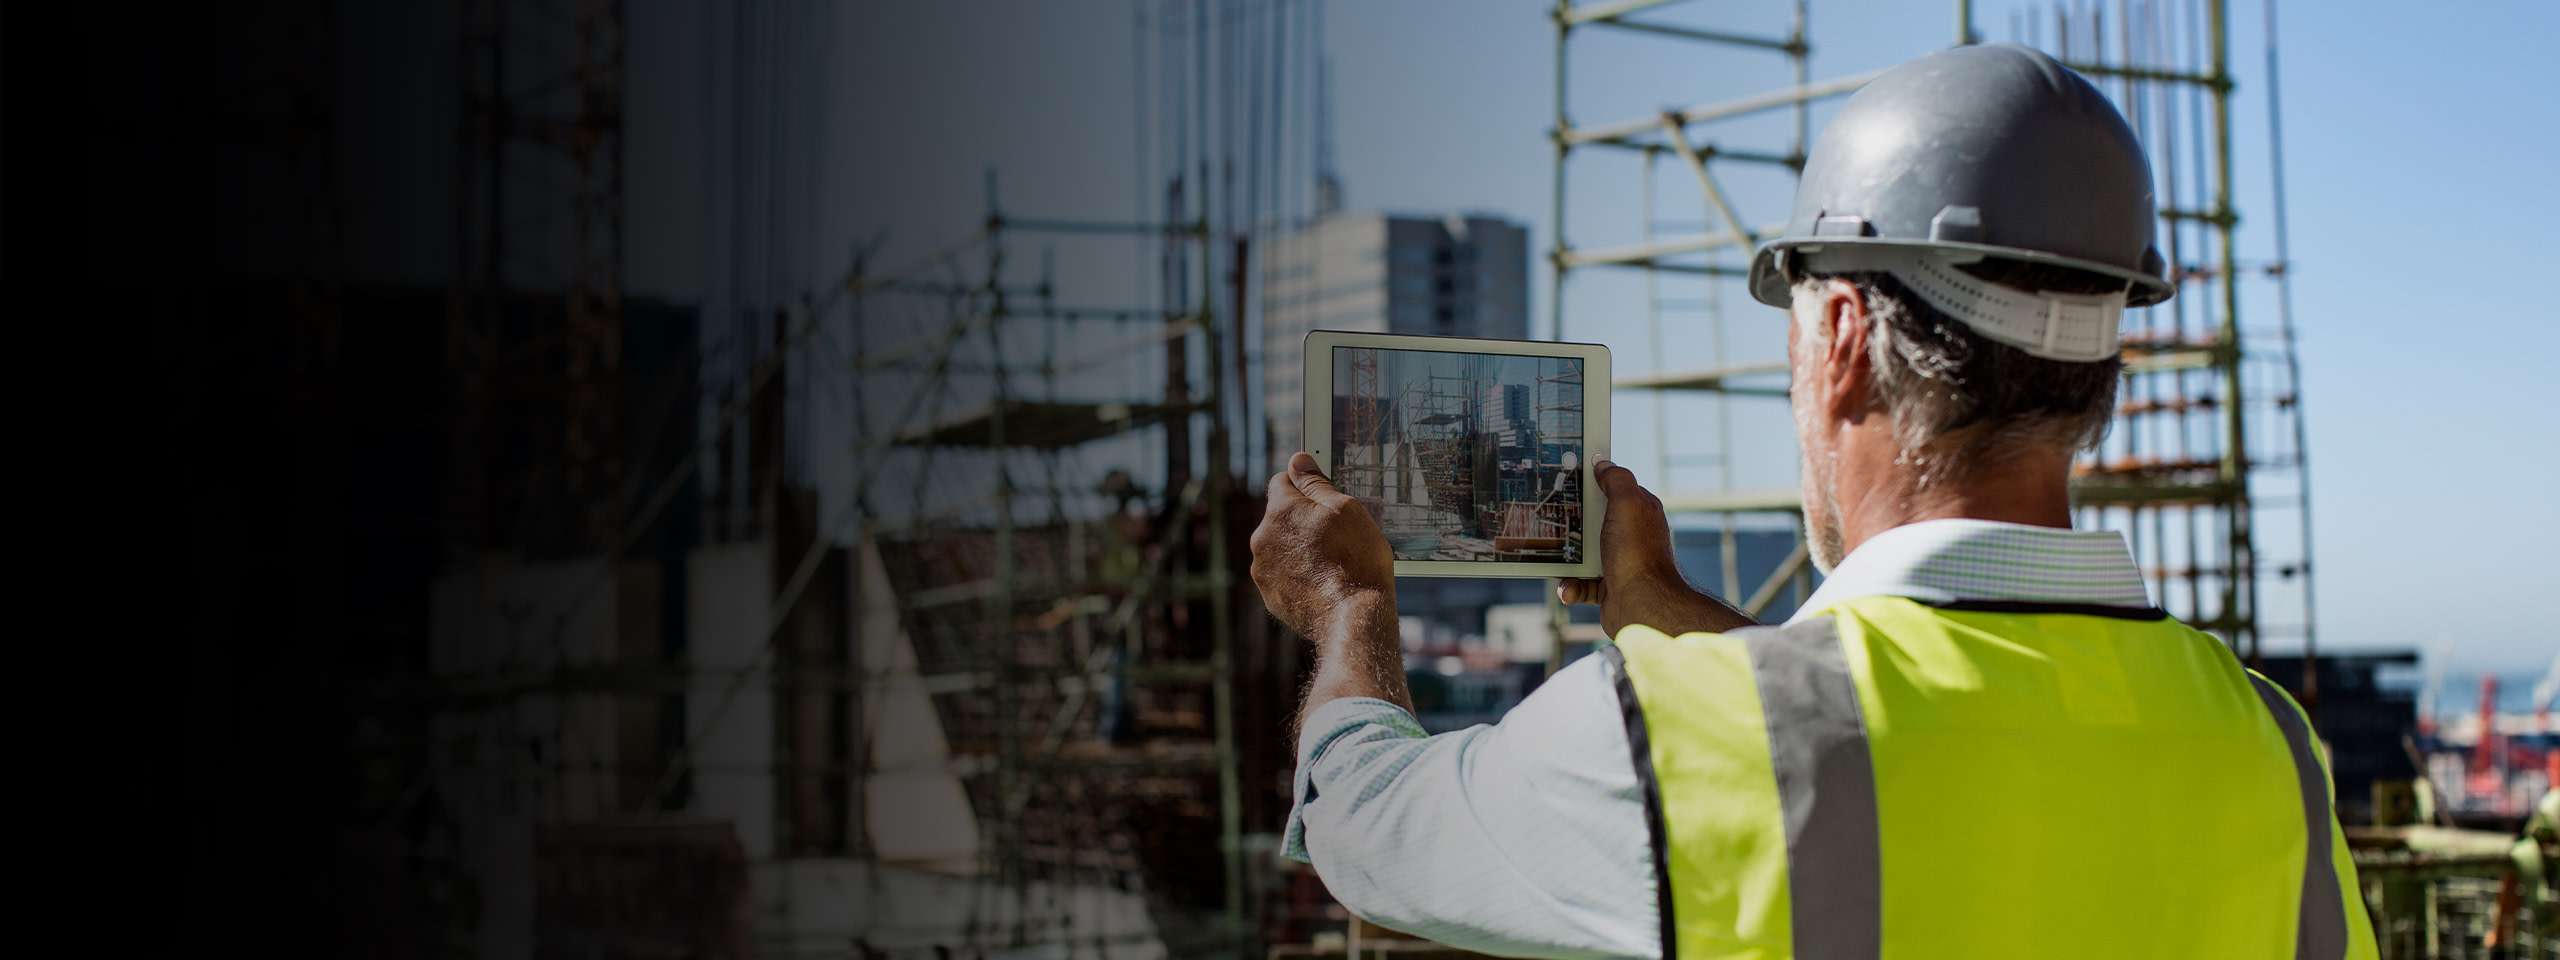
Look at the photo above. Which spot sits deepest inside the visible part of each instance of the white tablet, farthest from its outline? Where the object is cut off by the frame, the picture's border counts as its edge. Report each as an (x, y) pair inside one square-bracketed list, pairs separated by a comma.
[(1474, 455)]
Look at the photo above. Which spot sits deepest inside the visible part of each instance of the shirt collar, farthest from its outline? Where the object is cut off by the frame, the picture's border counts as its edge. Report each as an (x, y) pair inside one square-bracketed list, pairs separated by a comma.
[(1940, 561)]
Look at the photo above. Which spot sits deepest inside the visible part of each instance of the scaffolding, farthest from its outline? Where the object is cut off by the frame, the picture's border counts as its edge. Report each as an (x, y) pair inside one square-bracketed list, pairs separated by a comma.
[(1454, 469), (1442, 422), (539, 255), (980, 616), (1699, 254), (928, 635), (2205, 457), (1063, 631), (2205, 466), (1408, 458), (1551, 522)]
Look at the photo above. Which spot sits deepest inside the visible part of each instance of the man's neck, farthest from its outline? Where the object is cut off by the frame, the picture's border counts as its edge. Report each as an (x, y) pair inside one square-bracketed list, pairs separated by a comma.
[(1876, 492)]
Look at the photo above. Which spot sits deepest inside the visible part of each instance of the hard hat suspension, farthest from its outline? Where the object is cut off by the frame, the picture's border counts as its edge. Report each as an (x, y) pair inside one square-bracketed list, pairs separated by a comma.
[(2079, 328)]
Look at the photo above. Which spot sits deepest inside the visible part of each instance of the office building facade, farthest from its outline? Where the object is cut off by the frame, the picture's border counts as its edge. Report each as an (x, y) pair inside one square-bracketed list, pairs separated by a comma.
[(1378, 273)]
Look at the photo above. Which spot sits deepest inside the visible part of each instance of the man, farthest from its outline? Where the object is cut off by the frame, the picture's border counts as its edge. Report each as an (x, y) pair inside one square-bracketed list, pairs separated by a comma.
[(1978, 738)]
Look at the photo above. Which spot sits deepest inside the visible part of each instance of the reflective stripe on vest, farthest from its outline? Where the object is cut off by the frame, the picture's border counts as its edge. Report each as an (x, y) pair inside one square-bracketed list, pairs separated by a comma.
[(2036, 781), (2321, 929)]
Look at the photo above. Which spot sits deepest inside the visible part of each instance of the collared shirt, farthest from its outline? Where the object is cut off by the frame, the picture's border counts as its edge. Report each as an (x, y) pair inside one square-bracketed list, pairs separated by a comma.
[(1528, 837)]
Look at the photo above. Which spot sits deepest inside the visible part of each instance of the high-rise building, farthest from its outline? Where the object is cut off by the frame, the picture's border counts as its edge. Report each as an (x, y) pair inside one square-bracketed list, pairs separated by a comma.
[(1376, 273)]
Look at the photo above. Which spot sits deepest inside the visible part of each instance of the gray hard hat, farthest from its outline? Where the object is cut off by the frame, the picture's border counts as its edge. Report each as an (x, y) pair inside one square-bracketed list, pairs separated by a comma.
[(1993, 150)]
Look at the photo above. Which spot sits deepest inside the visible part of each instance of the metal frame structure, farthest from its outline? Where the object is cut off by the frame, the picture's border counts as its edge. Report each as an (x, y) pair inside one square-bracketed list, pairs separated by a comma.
[(2210, 417), (2209, 411), (1081, 660), (1038, 627), (1698, 254), (540, 192), (1039, 700)]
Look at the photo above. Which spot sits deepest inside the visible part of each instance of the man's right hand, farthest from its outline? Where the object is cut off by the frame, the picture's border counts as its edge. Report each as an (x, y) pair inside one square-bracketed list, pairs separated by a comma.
[(1640, 581), (1326, 572), (1318, 554)]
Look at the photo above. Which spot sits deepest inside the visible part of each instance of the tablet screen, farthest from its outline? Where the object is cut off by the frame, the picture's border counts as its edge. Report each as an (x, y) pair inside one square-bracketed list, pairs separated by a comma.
[(1464, 457)]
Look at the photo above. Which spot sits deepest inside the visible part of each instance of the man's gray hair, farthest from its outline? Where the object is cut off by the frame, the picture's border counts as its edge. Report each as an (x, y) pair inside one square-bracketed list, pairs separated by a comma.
[(1960, 401)]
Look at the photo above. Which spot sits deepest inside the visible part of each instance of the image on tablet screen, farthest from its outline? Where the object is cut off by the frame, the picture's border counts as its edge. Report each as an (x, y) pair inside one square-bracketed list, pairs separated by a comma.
[(1463, 456)]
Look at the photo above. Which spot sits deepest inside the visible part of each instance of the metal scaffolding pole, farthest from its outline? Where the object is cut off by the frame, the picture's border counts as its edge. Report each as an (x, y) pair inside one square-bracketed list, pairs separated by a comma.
[(2203, 463), (1682, 132)]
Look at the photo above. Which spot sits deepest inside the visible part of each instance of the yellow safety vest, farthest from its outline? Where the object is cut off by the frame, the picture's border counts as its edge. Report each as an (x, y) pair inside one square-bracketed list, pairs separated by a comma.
[(1895, 779)]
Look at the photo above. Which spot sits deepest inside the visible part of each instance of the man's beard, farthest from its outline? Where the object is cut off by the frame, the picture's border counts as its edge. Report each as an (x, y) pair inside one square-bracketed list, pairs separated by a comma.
[(1823, 541), (1821, 490)]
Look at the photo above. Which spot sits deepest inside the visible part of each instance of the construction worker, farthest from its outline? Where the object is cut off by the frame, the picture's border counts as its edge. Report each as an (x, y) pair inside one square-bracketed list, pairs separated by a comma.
[(1978, 738)]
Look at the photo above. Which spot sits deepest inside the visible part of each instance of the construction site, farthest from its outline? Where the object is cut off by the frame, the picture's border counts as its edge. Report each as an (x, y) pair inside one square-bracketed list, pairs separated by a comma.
[(1462, 457), (888, 597)]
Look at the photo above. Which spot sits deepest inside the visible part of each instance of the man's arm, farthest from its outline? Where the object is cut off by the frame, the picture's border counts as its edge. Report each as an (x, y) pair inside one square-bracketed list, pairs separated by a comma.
[(1523, 839), (1527, 838), (1325, 570)]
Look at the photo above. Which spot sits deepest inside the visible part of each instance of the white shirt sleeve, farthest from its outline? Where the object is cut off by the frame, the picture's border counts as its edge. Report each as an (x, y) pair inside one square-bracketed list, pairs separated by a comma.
[(1526, 838)]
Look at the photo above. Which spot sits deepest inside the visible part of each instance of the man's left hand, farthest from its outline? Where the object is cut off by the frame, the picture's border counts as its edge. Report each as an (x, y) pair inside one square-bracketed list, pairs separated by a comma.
[(1640, 581)]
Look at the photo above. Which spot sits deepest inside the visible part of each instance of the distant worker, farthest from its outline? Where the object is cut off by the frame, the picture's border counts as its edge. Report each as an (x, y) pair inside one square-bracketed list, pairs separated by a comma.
[(1978, 738)]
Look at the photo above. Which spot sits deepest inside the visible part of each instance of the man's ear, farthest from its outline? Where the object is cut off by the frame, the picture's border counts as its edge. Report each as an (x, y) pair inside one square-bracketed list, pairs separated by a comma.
[(1845, 368)]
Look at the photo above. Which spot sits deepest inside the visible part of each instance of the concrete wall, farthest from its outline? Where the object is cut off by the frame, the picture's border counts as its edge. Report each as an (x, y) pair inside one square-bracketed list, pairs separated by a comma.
[(916, 810), (1520, 632)]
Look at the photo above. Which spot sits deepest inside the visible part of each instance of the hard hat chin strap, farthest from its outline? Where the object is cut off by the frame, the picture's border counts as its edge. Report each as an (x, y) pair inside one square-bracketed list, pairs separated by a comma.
[(2079, 328)]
